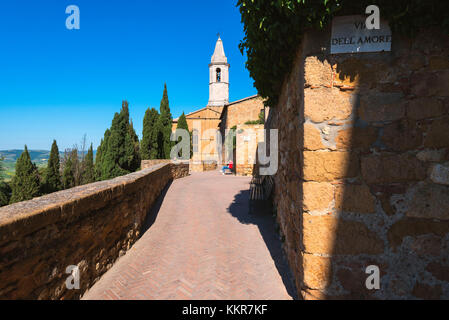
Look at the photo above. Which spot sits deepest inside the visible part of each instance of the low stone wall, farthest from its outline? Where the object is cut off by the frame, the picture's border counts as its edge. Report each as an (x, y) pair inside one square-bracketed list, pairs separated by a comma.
[(363, 173), (149, 163), (88, 226)]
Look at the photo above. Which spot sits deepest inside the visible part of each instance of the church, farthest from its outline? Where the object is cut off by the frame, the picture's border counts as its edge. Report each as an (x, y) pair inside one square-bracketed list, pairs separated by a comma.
[(219, 114)]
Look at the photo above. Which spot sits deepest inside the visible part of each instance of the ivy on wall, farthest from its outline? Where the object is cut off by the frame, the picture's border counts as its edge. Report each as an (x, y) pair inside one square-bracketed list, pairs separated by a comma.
[(273, 30)]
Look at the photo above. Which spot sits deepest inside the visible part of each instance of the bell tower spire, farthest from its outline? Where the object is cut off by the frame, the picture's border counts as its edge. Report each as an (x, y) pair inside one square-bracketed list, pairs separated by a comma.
[(218, 76)]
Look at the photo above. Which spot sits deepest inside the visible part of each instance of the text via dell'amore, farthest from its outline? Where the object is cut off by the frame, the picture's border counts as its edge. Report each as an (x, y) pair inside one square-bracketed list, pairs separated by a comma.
[(350, 35)]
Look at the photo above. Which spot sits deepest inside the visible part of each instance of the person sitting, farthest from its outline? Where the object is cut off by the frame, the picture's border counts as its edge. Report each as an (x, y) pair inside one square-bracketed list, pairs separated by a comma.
[(228, 167)]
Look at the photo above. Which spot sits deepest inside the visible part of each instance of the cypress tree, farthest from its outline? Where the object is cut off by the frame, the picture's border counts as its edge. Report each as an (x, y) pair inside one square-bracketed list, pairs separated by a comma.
[(101, 152), (164, 127), (182, 124), (132, 149), (154, 149), (68, 179), (122, 151), (52, 178), (115, 150), (149, 122), (88, 167), (25, 184)]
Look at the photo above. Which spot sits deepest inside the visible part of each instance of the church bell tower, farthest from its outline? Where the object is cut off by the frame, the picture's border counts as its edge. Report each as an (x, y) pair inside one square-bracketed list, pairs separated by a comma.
[(218, 77)]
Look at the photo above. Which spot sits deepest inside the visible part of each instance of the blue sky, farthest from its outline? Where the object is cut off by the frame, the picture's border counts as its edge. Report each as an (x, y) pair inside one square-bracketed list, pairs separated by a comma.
[(59, 84)]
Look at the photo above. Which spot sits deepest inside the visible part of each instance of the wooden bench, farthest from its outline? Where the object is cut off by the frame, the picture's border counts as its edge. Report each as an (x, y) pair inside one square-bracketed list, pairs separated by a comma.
[(261, 187)]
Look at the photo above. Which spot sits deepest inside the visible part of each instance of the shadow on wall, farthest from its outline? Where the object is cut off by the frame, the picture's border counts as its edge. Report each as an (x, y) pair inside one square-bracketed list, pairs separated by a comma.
[(262, 218), (375, 130), (150, 219)]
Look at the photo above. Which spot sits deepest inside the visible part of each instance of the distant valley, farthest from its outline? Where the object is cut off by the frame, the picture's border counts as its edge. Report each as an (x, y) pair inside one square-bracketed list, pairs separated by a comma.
[(39, 157)]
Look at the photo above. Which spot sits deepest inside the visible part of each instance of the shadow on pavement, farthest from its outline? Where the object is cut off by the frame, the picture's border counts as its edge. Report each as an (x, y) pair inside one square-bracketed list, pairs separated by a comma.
[(153, 212), (259, 213)]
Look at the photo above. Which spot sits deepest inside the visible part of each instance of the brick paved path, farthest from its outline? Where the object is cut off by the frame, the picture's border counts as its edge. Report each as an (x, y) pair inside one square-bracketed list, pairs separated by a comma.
[(203, 244)]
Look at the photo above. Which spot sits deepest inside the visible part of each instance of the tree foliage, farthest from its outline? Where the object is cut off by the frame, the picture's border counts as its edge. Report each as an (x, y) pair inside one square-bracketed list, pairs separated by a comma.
[(25, 185), (164, 128), (88, 167), (52, 177), (5, 190), (5, 193), (274, 29), (99, 159), (182, 124), (148, 147), (118, 153), (68, 177)]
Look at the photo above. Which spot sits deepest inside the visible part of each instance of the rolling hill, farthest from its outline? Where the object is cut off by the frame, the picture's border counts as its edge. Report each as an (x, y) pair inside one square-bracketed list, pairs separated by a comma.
[(39, 157)]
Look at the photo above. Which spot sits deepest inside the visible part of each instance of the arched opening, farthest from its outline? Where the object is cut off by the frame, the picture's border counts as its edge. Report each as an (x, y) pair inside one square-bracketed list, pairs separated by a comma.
[(218, 71)]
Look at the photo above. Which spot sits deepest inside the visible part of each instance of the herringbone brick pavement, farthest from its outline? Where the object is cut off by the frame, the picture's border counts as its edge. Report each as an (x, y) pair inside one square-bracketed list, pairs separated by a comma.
[(203, 244)]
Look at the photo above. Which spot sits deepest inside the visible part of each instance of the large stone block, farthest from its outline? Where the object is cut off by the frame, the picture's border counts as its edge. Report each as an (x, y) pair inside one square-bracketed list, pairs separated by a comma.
[(392, 168), (382, 107), (317, 195), (430, 84), (317, 271), (402, 135), (354, 198), (354, 138), (327, 103), (328, 166), (437, 133), (312, 138), (425, 107), (438, 63), (414, 227), (429, 201), (330, 235), (439, 271), (426, 291)]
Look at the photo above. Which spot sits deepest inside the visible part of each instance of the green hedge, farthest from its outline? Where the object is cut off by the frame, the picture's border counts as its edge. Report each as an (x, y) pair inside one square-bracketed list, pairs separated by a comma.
[(273, 30)]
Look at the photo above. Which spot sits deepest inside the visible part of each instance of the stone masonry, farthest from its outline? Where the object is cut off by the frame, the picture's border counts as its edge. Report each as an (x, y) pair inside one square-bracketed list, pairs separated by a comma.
[(248, 137), (363, 173), (88, 226)]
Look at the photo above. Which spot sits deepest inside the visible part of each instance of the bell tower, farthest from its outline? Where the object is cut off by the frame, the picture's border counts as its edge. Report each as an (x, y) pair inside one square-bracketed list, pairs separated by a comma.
[(218, 77)]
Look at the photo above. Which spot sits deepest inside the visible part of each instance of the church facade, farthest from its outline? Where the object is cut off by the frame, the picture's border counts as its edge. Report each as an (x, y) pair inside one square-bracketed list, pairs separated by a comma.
[(219, 115)]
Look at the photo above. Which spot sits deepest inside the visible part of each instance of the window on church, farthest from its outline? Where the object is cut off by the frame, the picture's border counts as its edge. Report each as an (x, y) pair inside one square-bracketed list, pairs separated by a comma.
[(218, 74), (195, 140)]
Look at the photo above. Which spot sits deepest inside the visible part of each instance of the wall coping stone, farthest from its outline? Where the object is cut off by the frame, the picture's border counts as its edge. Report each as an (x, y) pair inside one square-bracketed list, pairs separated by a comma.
[(63, 202)]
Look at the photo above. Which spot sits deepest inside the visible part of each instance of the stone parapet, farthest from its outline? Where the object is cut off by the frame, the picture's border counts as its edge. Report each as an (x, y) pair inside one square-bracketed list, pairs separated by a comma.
[(88, 226)]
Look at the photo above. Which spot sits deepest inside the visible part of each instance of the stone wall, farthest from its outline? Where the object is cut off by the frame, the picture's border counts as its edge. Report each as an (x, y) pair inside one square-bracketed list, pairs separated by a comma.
[(239, 112), (248, 137), (201, 166), (144, 164), (88, 226), (363, 173)]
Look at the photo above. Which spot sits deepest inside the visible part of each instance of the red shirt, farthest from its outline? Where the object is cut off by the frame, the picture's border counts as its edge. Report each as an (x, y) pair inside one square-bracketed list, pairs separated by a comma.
[(230, 164)]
